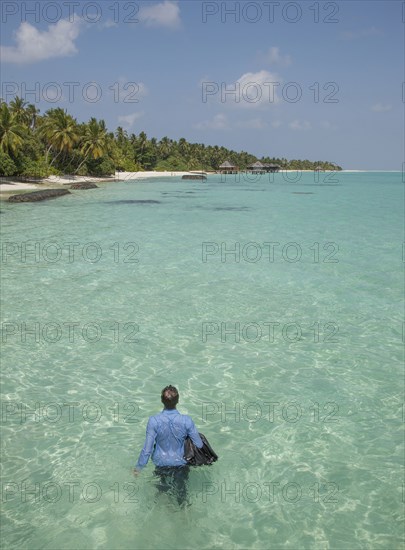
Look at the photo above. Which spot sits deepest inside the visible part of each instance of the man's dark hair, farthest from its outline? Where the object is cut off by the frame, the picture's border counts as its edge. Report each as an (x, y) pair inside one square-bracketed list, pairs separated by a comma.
[(170, 397)]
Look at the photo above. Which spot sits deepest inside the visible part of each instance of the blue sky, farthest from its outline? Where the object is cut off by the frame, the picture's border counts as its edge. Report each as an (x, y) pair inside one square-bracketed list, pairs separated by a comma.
[(316, 80)]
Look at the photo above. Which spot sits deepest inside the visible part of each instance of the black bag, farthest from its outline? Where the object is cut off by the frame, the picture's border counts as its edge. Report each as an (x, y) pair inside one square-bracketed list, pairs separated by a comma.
[(199, 457)]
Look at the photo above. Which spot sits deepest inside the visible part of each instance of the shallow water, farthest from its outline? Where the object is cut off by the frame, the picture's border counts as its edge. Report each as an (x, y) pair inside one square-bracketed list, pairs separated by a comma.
[(275, 307)]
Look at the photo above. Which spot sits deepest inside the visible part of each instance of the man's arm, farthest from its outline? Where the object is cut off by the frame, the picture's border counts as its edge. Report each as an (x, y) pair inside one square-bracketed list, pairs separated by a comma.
[(193, 434), (148, 446)]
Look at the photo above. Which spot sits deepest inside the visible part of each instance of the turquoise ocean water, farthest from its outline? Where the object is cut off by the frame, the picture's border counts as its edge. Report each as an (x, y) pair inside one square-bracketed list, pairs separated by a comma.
[(288, 355)]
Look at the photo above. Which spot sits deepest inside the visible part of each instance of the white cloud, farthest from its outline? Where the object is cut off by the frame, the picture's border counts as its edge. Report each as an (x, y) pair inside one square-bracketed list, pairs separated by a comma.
[(361, 33), (33, 45), (108, 24), (250, 91), (300, 125), (381, 108), (165, 14), (258, 89), (273, 57), (219, 122), (129, 120)]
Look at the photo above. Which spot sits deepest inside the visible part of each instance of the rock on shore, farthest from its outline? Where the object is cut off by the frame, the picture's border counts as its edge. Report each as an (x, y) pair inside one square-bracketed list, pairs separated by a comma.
[(42, 195), (84, 185)]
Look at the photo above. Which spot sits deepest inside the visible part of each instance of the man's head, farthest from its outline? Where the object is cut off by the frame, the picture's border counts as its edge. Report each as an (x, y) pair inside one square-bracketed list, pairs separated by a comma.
[(170, 397)]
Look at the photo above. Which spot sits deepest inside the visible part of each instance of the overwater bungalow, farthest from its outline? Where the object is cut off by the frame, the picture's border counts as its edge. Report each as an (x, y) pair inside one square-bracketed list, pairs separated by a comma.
[(256, 168), (272, 167), (260, 168), (228, 168)]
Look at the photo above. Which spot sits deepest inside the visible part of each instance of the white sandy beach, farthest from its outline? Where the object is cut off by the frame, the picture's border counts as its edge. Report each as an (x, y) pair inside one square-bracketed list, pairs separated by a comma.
[(124, 176), (9, 185), (119, 176)]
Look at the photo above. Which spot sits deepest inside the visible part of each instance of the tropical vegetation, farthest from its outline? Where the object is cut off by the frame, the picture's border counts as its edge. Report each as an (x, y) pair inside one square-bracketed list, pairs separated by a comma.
[(35, 145)]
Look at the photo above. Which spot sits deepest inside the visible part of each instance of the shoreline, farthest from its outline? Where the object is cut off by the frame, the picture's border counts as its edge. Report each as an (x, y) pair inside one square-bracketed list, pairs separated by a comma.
[(9, 186)]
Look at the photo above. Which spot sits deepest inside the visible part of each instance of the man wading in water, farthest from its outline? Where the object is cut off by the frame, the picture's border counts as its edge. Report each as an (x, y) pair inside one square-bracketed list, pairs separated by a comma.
[(166, 433)]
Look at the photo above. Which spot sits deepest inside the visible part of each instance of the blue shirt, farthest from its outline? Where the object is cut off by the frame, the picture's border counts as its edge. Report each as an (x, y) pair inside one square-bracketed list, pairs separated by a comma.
[(168, 430)]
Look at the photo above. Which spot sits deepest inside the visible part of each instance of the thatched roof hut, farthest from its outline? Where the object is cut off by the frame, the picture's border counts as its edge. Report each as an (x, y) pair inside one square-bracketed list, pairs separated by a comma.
[(256, 167), (260, 168), (272, 167), (227, 168)]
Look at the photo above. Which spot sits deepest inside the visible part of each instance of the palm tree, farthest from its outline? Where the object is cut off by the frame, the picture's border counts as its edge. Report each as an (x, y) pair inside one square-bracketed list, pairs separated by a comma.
[(122, 136), (60, 132), (184, 148), (17, 109), (95, 141), (141, 146), (12, 133), (164, 147), (132, 140), (32, 115)]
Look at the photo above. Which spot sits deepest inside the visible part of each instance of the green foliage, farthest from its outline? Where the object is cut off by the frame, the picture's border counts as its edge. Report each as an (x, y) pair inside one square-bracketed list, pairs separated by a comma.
[(37, 169), (12, 132), (100, 167), (38, 145), (7, 165), (174, 163), (129, 165)]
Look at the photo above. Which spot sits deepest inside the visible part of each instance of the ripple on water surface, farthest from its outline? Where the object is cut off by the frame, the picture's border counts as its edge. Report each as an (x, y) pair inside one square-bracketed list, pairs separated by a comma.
[(290, 364)]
